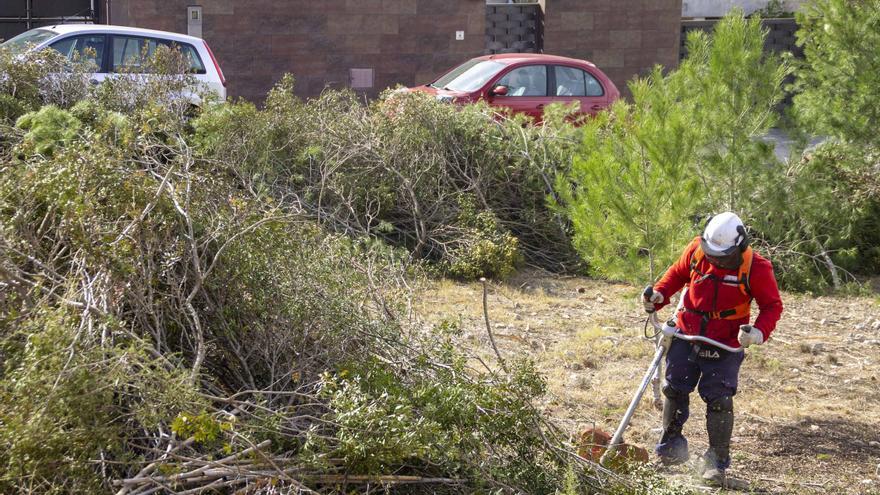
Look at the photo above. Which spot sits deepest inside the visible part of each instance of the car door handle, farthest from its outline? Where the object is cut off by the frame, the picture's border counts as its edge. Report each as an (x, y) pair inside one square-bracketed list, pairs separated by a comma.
[(596, 107), (540, 106)]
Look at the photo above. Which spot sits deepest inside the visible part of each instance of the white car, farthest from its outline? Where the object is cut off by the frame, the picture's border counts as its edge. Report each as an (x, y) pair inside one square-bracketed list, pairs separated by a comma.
[(121, 49)]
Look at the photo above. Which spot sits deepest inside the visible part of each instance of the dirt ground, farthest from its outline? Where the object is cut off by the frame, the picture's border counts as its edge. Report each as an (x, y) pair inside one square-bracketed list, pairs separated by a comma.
[(808, 406)]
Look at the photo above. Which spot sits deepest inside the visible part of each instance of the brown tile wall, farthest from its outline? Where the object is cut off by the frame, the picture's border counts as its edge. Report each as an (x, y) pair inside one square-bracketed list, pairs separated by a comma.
[(256, 41), (405, 41), (625, 38)]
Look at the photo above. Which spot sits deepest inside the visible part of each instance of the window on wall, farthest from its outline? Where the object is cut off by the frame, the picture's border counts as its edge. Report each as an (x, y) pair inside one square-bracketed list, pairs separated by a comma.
[(530, 80), (361, 78)]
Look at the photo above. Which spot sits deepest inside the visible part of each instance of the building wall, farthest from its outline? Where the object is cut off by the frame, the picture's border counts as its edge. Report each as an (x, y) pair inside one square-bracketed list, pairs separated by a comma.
[(624, 38), (405, 41), (257, 41)]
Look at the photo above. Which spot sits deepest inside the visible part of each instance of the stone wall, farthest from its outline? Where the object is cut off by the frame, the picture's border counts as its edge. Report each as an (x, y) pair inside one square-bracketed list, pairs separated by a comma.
[(404, 41), (625, 38)]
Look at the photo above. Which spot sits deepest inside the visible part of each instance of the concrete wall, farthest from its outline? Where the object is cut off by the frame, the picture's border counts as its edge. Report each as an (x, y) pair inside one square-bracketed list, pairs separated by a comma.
[(625, 38), (257, 41)]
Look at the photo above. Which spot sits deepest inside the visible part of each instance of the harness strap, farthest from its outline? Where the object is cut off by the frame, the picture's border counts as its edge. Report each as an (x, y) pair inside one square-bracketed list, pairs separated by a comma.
[(735, 313), (743, 274)]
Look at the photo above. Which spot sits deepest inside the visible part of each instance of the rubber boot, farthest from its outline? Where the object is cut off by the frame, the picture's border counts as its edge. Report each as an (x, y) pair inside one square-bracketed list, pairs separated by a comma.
[(673, 447), (719, 426)]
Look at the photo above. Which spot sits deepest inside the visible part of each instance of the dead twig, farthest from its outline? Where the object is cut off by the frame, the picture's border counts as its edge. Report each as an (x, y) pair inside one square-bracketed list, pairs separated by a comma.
[(489, 325)]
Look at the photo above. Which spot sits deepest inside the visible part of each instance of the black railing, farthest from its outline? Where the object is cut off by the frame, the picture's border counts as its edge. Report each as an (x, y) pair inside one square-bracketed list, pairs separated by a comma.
[(18, 16)]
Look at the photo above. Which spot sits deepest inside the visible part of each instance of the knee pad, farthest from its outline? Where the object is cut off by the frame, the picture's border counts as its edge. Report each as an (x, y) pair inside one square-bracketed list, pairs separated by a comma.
[(673, 394), (721, 404)]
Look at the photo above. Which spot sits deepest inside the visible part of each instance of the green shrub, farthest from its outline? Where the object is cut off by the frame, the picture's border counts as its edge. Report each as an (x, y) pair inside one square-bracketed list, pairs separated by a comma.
[(821, 213), (630, 192), (47, 129), (481, 248), (821, 223), (34, 79), (68, 402)]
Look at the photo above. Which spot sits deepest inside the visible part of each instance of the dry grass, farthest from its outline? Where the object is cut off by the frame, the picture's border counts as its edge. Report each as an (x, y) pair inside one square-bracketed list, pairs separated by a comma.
[(808, 408)]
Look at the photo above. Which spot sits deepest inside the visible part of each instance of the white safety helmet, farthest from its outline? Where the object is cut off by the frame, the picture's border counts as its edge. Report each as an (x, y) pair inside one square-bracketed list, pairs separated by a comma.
[(725, 234)]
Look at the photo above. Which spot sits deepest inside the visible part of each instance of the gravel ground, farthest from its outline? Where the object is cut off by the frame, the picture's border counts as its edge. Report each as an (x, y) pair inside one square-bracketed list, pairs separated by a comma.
[(808, 407)]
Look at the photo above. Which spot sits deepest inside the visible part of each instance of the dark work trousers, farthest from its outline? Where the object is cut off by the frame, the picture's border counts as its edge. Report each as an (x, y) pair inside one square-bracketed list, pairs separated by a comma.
[(713, 370)]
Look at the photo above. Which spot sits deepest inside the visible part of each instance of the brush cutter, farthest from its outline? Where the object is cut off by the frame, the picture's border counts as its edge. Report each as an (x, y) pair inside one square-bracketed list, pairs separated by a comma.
[(665, 332)]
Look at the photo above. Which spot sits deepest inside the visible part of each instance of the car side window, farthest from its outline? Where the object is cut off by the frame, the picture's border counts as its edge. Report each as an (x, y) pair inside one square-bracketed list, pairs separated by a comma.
[(195, 62), (570, 81), (130, 54), (594, 87), (127, 53), (530, 80), (86, 48)]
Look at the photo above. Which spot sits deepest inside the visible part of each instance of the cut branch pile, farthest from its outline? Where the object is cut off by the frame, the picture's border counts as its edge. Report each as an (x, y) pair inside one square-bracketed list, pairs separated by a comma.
[(169, 324)]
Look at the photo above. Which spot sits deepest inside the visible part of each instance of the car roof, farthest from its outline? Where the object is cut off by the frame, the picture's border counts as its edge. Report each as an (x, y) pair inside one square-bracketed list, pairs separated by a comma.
[(511, 58), (107, 28)]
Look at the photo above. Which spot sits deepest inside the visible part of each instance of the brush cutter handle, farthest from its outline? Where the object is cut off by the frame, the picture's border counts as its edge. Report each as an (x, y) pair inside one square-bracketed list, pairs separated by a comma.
[(646, 295), (693, 338)]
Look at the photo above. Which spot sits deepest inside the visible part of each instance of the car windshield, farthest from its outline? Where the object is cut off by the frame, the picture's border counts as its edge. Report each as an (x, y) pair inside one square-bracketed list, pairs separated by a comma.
[(19, 43), (469, 76)]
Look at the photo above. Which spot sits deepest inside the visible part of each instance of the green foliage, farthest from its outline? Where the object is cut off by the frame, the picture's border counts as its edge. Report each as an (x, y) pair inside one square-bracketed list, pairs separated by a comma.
[(441, 419), (63, 399), (838, 84), (774, 9), (685, 146), (821, 225), (165, 275), (484, 249), (735, 88), (33, 79), (47, 129), (107, 126), (396, 169), (630, 191), (202, 427), (820, 219)]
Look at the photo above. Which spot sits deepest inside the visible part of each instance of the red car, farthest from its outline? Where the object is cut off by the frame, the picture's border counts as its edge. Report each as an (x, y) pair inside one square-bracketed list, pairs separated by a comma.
[(525, 83)]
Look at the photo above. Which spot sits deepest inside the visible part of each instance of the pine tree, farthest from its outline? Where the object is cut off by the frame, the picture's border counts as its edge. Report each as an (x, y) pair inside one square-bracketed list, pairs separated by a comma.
[(630, 192), (687, 145), (839, 78)]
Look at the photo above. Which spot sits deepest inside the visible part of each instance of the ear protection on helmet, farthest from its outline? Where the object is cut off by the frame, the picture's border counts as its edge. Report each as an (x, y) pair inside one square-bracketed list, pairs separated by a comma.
[(745, 241), (709, 218)]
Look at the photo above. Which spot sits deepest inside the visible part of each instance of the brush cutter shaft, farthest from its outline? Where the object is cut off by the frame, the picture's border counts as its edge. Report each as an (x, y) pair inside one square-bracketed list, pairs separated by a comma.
[(618, 435), (658, 357), (694, 338)]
